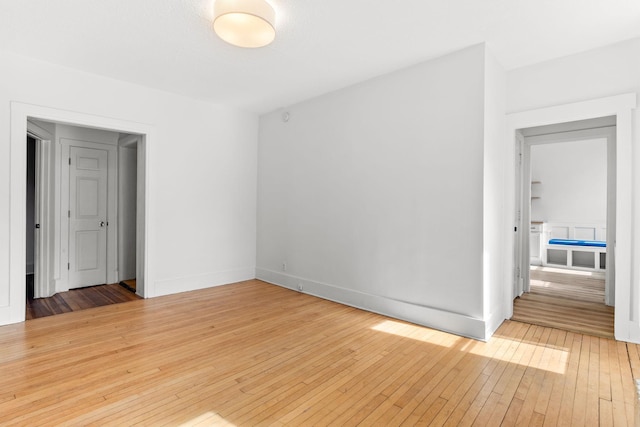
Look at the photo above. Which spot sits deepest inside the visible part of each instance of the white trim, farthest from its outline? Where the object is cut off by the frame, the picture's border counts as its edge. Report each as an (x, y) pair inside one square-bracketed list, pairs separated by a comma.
[(571, 136), (20, 112), (38, 131), (203, 281), (519, 228), (596, 108), (128, 144), (455, 323), (607, 133), (128, 141), (143, 218), (524, 284), (621, 106), (626, 292), (44, 282), (492, 324)]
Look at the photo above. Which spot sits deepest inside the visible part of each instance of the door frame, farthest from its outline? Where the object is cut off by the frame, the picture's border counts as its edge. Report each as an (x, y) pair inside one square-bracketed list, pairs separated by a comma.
[(20, 113), (608, 133), (130, 142), (522, 252), (626, 327), (44, 286)]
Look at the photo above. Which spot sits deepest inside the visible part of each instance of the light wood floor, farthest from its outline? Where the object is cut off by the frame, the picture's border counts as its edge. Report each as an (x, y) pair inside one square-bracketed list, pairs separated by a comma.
[(255, 354), (567, 301), (78, 299), (569, 284)]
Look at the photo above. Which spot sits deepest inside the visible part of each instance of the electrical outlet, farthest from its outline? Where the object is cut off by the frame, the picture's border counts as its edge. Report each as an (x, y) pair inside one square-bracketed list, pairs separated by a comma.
[(284, 266)]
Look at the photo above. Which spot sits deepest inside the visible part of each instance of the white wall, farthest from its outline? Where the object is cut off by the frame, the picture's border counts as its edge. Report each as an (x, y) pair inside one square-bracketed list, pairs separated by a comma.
[(573, 179), (373, 195), (127, 183), (599, 73), (495, 224), (202, 170)]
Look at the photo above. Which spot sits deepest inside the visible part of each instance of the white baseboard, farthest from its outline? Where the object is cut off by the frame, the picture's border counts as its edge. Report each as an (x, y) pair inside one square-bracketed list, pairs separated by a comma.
[(493, 323), (427, 316), (201, 281)]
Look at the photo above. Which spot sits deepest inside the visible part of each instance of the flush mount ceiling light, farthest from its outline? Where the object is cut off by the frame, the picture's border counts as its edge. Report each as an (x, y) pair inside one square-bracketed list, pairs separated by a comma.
[(244, 23)]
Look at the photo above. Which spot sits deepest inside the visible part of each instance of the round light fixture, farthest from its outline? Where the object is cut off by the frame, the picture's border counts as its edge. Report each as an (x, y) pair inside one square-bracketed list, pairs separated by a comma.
[(244, 23)]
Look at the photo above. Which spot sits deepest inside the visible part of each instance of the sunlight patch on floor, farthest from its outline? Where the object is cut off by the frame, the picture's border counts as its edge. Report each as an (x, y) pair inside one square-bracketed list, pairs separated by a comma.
[(414, 332), (208, 419), (540, 283), (596, 274), (558, 356)]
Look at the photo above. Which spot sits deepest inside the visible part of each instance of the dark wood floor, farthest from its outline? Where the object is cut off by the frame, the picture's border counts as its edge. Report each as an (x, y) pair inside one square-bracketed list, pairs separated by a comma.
[(566, 300), (78, 299), (129, 284)]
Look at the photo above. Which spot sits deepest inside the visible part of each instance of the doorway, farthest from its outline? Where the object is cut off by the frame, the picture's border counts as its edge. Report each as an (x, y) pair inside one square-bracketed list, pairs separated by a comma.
[(87, 199), (627, 298), (13, 301), (31, 222), (565, 253)]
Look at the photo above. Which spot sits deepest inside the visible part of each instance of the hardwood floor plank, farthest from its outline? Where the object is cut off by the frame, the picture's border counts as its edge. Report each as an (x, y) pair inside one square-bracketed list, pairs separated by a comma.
[(78, 299), (473, 400), (378, 394), (568, 301), (559, 366), (513, 412), (355, 385), (482, 406), (465, 387), (389, 408), (509, 384), (617, 390), (256, 354), (532, 384), (428, 387), (593, 381), (606, 413), (549, 366)]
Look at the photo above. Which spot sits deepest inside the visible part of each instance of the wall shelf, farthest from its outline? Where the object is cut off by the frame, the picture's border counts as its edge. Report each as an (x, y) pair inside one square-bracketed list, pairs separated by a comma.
[(536, 190)]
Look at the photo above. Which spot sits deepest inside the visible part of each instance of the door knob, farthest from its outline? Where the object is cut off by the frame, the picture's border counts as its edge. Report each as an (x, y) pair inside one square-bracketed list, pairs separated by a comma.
[(101, 223)]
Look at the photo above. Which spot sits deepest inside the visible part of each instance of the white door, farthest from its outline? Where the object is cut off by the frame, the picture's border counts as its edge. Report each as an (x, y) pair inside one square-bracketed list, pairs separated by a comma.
[(87, 216)]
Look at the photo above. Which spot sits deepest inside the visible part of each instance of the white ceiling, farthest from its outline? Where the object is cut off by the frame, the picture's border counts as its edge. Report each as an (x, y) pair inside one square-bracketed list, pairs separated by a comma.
[(321, 45)]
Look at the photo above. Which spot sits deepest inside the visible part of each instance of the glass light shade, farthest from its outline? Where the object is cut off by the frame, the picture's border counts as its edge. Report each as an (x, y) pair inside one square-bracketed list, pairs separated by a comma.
[(244, 23)]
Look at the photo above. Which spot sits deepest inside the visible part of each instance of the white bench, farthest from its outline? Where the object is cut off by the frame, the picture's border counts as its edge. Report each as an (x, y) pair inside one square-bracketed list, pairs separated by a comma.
[(575, 246)]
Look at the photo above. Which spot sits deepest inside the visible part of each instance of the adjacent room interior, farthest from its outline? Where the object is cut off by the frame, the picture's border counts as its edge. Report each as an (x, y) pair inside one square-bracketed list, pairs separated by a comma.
[(570, 173), (81, 215)]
